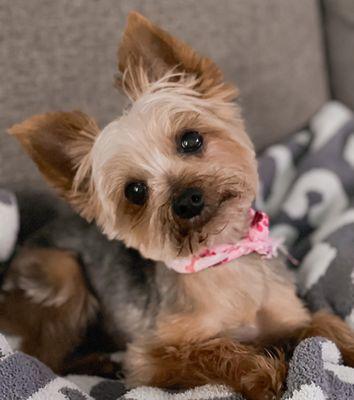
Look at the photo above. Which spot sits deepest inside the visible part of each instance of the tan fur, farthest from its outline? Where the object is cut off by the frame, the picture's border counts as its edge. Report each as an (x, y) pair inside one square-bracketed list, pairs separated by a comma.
[(212, 326), (250, 369), (97, 167), (220, 360), (46, 302), (236, 310), (147, 53), (122, 153), (60, 144)]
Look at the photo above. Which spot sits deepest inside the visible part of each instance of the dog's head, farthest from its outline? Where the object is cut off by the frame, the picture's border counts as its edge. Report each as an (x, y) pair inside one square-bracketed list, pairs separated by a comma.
[(176, 172)]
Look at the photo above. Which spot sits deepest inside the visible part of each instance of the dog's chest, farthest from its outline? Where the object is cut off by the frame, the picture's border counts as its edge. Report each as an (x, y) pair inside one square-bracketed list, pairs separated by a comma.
[(227, 299)]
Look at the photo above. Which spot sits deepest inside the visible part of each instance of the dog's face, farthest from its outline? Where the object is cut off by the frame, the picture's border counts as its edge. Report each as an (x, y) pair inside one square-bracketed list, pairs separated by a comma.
[(175, 173)]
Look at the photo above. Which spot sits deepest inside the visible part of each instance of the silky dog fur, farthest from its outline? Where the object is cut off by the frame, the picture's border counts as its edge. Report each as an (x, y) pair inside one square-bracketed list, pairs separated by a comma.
[(230, 324)]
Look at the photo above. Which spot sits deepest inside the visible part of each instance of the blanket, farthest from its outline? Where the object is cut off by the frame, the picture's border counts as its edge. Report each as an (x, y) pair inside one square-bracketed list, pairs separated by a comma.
[(307, 187), (9, 220)]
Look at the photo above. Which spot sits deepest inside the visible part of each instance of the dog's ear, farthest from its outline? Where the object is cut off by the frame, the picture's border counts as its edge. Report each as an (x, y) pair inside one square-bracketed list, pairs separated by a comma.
[(147, 53), (60, 144)]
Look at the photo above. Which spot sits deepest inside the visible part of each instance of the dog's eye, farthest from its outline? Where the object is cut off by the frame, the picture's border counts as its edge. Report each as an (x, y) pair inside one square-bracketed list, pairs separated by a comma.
[(190, 142), (136, 193)]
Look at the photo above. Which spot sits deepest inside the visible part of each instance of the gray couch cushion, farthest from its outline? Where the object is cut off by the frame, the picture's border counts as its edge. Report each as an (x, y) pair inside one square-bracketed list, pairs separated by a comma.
[(339, 19), (61, 55)]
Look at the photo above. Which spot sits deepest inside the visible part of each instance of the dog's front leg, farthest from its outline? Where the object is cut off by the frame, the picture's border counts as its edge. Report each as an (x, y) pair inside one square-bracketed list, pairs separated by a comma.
[(219, 360)]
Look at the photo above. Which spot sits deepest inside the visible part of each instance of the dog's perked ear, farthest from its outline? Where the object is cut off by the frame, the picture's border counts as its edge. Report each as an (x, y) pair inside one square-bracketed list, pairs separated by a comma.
[(60, 144), (147, 53)]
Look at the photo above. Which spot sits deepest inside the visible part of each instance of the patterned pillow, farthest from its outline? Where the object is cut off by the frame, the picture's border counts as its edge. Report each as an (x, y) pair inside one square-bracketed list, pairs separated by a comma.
[(307, 187), (9, 224), (326, 275), (309, 180)]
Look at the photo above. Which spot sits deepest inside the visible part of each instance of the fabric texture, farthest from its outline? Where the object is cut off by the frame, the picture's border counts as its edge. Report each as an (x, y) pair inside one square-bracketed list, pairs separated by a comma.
[(9, 220), (61, 55), (308, 190), (307, 186), (339, 33), (316, 372)]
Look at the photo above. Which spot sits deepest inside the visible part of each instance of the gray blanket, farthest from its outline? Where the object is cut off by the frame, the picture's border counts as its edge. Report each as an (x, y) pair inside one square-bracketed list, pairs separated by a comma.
[(307, 185)]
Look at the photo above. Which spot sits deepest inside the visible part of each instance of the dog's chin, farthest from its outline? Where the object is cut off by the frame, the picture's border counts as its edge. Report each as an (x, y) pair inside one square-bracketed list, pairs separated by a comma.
[(227, 223)]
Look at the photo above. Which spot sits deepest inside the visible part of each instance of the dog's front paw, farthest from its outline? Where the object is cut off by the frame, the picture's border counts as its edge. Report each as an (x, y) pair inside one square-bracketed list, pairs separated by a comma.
[(262, 393), (97, 364), (264, 384)]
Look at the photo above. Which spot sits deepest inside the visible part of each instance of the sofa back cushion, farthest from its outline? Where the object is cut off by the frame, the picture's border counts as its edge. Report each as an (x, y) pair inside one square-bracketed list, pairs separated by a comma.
[(339, 29), (61, 55)]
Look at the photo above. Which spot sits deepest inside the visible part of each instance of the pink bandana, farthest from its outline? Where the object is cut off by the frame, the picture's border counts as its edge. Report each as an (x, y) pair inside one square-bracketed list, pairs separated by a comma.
[(256, 241)]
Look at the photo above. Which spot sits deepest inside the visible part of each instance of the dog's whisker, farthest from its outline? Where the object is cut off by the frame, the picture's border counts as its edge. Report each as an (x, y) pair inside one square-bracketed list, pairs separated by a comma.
[(220, 230)]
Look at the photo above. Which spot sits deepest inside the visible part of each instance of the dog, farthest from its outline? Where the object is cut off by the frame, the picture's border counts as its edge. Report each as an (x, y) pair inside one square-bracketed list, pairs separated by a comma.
[(188, 279)]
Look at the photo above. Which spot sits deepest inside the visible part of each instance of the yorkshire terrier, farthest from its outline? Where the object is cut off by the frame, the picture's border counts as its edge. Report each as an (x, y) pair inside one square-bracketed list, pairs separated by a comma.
[(196, 291)]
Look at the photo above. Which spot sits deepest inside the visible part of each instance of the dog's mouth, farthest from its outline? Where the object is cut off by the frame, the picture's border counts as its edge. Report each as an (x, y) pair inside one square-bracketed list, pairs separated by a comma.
[(194, 233)]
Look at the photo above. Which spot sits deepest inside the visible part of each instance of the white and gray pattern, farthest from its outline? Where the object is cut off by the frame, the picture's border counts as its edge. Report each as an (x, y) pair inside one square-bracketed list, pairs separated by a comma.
[(9, 223), (323, 183), (315, 373)]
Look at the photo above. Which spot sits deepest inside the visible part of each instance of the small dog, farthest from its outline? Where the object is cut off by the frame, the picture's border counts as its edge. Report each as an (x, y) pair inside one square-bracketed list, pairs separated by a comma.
[(174, 179)]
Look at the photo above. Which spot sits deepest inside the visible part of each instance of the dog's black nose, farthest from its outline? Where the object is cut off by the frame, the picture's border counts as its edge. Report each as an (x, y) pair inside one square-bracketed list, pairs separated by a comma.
[(189, 203)]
